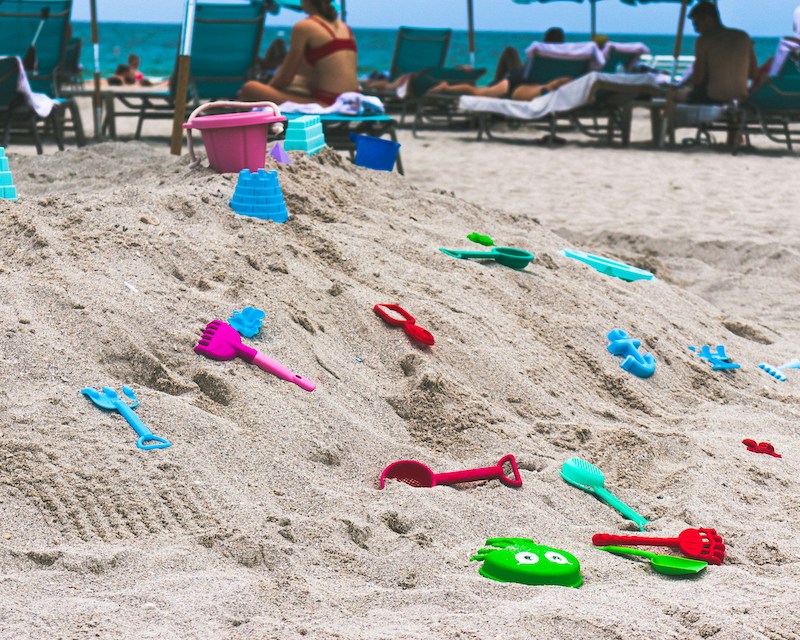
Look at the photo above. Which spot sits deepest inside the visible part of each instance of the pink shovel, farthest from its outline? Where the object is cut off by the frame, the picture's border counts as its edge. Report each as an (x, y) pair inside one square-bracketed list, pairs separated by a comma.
[(419, 475), (221, 341)]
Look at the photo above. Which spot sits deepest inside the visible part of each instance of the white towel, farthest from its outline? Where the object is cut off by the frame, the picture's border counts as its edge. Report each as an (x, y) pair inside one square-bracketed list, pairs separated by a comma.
[(350, 103), (568, 51), (785, 48), (41, 103)]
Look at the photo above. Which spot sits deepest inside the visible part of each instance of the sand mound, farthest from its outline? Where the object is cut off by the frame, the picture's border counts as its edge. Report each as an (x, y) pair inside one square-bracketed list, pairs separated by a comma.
[(263, 519)]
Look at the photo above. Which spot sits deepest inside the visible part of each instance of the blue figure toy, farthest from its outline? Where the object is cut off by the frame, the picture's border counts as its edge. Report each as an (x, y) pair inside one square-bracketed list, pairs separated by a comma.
[(247, 321), (642, 365), (719, 360)]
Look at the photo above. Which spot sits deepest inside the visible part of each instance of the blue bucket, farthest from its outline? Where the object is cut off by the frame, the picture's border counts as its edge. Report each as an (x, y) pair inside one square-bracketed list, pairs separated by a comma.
[(375, 153)]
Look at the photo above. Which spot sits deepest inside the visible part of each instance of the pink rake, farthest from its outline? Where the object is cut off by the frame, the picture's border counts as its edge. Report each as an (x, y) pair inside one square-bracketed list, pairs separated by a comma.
[(221, 341)]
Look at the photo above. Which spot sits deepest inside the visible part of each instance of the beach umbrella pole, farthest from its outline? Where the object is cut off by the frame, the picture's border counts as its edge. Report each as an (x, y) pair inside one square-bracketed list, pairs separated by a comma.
[(594, 17), (96, 101), (471, 32), (182, 85), (668, 122)]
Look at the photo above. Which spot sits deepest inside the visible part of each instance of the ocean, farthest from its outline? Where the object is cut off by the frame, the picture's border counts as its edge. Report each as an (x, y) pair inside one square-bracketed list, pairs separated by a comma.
[(157, 45)]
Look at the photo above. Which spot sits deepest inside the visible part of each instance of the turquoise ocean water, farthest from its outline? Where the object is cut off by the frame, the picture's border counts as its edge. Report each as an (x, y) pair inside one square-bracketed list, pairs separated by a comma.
[(157, 45)]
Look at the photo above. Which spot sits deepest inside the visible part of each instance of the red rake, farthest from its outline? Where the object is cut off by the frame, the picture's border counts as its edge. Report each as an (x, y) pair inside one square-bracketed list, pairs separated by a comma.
[(700, 544)]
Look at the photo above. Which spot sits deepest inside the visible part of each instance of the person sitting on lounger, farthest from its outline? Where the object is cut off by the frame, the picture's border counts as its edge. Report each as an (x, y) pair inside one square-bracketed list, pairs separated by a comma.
[(321, 63), (509, 77), (724, 59), (786, 46)]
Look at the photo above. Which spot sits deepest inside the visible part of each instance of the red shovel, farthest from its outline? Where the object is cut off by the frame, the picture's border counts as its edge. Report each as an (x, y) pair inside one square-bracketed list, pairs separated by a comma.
[(700, 544), (419, 475), (409, 324)]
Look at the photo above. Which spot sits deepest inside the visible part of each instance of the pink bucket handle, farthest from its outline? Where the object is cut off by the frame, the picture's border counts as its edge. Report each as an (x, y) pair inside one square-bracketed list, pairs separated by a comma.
[(276, 127)]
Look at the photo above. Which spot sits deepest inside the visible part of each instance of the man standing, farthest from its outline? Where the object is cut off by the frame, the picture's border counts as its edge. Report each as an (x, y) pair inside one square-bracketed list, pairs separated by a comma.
[(724, 59)]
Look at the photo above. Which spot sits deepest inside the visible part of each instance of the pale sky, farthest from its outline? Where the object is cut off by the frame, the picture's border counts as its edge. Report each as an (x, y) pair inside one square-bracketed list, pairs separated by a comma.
[(758, 17)]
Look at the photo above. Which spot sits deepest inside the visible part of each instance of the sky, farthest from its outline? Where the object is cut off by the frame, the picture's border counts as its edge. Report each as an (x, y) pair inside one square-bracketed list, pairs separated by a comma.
[(757, 17)]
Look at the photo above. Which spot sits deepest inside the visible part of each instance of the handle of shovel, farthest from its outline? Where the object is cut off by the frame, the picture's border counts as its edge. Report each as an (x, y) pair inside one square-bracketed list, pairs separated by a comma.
[(158, 442), (484, 473), (612, 501), (628, 551), (478, 255), (282, 371), (602, 539)]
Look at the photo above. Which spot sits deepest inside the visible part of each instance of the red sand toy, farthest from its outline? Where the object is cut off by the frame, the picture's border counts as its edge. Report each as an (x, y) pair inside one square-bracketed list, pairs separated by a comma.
[(408, 323), (417, 474), (760, 447)]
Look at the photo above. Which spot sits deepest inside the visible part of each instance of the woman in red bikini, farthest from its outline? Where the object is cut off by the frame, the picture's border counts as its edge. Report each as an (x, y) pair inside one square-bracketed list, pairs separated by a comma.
[(321, 63)]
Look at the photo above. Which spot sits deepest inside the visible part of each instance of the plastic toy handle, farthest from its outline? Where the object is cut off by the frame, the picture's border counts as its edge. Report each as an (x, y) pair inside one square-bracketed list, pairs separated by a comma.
[(463, 255), (158, 442), (277, 127), (612, 501), (484, 473), (602, 539), (380, 310), (283, 372), (629, 551)]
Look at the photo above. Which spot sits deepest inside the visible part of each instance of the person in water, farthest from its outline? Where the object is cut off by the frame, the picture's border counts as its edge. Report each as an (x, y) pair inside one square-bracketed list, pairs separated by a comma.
[(321, 64)]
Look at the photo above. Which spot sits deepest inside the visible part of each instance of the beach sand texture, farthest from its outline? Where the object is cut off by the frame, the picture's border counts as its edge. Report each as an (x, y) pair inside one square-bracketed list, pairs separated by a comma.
[(264, 520)]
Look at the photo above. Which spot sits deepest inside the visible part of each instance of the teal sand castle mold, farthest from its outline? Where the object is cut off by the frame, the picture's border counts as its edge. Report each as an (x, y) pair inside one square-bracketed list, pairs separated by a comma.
[(304, 134), (259, 195), (7, 189)]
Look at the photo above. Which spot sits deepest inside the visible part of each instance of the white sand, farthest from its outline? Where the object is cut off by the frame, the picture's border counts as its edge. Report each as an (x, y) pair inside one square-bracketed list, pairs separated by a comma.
[(263, 520)]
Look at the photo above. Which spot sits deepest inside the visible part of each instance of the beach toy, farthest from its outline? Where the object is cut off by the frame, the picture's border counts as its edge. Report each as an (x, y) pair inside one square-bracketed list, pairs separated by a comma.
[(507, 256), (700, 544), (279, 154), (247, 321), (375, 153), (760, 447), (608, 266), (642, 365), (109, 399), (304, 134), (221, 341), (522, 560), (668, 565), (7, 189), (589, 478), (478, 238), (259, 195), (719, 360), (234, 141), (417, 474), (775, 372), (408, 323)]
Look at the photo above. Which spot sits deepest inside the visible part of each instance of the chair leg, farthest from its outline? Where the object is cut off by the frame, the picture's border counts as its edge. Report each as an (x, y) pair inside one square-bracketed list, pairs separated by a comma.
[(57, 120), (399, 163), (35, 133), (77, 123)]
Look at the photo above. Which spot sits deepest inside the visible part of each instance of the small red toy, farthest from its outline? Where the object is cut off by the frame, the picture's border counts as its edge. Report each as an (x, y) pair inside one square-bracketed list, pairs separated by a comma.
[(408, 323), (760, 447), (700, 544)]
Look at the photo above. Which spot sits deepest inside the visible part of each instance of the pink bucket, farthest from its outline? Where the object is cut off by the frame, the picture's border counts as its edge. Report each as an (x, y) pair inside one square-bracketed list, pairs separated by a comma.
[(235, 141)]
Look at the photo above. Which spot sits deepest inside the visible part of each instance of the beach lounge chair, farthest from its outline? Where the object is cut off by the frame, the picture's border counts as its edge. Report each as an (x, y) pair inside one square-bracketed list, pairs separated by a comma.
[(415, 50), (19, 22), (622, 57), (774, 108), (17, 115), (574, 102), (225, 45), (70, 73)]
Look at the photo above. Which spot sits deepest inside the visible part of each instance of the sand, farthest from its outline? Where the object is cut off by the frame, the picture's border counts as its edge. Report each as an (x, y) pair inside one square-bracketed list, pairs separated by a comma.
[(264, 519)]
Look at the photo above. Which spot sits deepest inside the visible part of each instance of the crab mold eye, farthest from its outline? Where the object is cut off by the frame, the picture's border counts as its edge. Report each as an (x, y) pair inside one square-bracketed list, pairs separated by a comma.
[(526, 557), (556, 558)]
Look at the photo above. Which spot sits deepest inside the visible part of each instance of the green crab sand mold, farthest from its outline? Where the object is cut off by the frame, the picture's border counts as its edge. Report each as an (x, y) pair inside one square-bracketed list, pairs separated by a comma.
[(522, 560)]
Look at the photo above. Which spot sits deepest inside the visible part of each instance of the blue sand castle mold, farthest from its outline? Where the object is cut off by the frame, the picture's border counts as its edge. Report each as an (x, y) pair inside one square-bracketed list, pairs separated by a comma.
[(279, 153), (7, 189), (719, 360), (304, 134), (642, 365), (258, 194), (247, 321), (608, 266)]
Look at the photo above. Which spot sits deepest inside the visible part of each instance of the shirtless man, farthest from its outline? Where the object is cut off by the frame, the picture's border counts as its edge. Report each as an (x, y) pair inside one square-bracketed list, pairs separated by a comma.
[(724, 59)]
